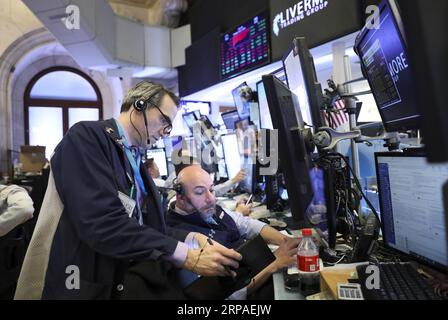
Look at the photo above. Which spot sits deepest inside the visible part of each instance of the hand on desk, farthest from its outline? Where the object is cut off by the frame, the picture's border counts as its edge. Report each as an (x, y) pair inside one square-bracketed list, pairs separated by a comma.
[(242, 208)]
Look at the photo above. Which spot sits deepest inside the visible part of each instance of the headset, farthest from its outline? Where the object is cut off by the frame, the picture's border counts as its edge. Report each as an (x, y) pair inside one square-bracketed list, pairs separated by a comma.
[(177, 186), (140, 105)]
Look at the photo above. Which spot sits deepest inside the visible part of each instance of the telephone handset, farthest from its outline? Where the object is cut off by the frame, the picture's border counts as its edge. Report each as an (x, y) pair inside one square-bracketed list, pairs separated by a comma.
[(364, 245)]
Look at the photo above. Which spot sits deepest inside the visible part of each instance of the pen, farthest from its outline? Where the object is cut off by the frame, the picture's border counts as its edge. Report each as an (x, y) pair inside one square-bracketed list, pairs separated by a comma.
[(248, 200), (210, 242)]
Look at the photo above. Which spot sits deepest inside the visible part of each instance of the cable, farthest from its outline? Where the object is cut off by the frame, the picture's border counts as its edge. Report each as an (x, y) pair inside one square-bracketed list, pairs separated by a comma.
[(335, 263), (130, 120), (148, 142), (358, 184)]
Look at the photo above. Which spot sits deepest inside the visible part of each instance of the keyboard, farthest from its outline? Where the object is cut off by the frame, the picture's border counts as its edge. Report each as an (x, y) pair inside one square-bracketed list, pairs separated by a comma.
[(398, 281)]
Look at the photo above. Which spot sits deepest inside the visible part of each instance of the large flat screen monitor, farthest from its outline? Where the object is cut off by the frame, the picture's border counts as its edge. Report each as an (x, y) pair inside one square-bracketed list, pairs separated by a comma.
[(411, 206), (231, 154), (426, 27), (302, 80), (295, 159), (385, 63)]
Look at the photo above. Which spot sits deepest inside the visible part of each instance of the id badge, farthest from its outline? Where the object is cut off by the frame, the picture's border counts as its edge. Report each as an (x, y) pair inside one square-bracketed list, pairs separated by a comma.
[(128, 203)]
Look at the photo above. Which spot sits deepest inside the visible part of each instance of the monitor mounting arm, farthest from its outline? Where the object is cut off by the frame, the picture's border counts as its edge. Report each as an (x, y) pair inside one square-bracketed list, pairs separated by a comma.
[(327, 138)]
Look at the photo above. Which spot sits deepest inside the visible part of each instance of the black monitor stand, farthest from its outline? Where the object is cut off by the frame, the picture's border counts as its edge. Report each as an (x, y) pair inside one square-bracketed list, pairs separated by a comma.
[(445, 202)]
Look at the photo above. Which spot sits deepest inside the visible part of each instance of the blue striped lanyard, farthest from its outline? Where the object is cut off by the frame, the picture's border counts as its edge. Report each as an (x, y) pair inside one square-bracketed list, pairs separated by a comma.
[(134, 162)]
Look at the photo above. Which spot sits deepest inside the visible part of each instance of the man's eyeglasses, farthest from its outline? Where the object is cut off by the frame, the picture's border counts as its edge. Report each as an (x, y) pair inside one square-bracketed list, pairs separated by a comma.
[(167, 129)]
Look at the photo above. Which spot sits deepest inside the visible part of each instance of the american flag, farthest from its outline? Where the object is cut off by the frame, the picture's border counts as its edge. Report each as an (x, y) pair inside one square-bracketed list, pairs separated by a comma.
[(337, 117)]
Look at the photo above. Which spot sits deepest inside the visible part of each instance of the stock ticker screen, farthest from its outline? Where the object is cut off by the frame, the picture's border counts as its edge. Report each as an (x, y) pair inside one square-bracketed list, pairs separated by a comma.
[(245, 47)]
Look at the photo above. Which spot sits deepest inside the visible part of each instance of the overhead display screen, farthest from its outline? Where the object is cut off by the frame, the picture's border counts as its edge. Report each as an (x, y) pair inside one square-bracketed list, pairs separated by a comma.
[(245, 47)]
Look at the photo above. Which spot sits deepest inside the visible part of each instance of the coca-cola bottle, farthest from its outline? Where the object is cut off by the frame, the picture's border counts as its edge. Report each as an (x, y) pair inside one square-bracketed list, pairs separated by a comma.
[(308, 264)]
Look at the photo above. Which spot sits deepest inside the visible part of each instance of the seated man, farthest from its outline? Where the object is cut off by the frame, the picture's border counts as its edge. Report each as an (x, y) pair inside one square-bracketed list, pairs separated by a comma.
[(195, 209), (186, 160)]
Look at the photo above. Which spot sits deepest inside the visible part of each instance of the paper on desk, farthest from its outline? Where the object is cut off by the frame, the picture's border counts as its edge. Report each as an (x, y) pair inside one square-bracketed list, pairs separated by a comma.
[(260, 212)]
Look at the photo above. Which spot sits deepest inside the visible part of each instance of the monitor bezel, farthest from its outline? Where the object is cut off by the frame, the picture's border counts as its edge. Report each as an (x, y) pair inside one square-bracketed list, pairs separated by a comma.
[(261, 124), (309, 74), (300, 205)]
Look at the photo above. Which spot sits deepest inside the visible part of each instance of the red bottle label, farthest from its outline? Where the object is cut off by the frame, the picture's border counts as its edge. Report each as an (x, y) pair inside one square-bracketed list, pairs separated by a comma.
[(308, 263)]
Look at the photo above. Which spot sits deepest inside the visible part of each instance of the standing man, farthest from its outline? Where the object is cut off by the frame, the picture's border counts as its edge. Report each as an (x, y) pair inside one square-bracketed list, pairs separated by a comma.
[(101, 213)]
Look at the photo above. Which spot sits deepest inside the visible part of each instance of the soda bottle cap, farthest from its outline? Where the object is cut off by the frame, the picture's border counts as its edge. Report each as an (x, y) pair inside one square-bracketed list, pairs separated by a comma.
[(307, 232)]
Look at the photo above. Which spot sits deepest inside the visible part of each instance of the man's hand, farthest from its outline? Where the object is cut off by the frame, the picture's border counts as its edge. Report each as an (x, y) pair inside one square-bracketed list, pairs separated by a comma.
[(240, 176), (213, 260), (244, 209), (286, 254)]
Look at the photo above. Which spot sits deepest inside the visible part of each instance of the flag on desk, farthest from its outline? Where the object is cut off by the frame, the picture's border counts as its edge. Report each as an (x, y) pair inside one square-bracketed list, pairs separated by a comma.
[(337, 118)]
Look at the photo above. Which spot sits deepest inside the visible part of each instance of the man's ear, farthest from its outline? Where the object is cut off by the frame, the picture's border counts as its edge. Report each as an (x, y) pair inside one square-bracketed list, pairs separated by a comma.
[(180, 199)]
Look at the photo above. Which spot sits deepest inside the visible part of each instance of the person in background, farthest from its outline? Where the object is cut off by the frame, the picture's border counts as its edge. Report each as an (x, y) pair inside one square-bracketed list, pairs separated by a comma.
[(196, 210), (16, 207), (102, 217)]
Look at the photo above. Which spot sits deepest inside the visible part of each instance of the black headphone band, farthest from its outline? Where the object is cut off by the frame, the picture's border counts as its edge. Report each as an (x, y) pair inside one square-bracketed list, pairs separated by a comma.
[(141, 104)]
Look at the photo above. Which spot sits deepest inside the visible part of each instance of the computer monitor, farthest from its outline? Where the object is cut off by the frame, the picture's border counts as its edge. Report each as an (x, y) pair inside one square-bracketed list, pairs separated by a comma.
[(249, 182), (425, 27), (188, 143), (241, 96), (385, 63), (202, 107), (230, 118), (411, 206), (265, 115), (302, 80), (222, 169), (295, 159), (190, 119), (242, 124), (246, 134), (160, 160), (245, 47), (255, 114), (231, 154)]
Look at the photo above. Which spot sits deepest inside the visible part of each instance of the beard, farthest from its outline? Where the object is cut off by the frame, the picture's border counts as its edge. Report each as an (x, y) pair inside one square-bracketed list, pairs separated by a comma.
[(208, 211)]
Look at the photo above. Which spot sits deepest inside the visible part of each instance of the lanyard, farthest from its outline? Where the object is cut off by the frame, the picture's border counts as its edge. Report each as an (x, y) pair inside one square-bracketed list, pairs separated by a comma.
[(134, 162)]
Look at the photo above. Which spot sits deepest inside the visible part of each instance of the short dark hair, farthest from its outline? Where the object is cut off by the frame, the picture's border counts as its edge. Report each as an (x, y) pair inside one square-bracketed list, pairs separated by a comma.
[(147, 90)]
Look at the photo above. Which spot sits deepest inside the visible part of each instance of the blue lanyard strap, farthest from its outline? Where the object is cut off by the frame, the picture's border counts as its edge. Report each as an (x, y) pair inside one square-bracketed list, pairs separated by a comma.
[(134, 161)]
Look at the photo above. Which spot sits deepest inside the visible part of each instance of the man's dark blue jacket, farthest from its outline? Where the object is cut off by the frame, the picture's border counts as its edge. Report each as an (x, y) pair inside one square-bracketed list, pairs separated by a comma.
[(94, 232)]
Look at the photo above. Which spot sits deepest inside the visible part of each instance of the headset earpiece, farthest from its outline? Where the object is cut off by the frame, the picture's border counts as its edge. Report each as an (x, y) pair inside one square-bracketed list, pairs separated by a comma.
[(178, 187), (140, 105)]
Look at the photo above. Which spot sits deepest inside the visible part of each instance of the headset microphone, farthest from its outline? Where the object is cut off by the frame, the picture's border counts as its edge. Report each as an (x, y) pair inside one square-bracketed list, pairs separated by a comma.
[(148, 142)]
